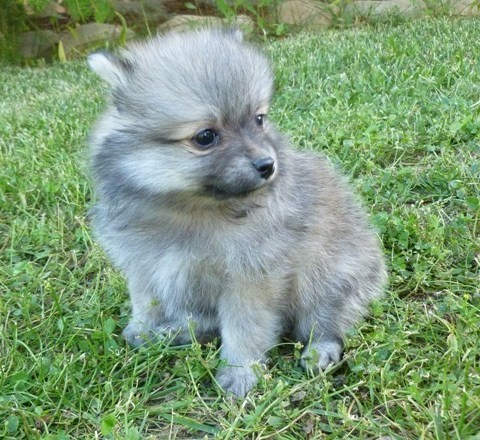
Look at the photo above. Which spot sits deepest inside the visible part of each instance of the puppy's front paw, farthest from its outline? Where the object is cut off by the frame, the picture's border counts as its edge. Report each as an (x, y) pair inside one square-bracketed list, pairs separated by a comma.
[(137, 334), (236, 380), (319, 355)]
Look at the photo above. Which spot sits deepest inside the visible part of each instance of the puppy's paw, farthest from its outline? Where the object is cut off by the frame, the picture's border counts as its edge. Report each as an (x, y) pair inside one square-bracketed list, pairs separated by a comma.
[(319, 355), (137, 334), (236, 380)]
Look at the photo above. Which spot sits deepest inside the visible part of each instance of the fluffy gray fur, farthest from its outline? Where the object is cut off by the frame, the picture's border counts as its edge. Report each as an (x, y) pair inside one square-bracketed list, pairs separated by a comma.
[(202, 235)]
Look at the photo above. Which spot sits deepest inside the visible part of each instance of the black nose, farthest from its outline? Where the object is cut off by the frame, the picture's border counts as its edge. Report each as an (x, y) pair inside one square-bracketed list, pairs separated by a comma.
[(265, 166)]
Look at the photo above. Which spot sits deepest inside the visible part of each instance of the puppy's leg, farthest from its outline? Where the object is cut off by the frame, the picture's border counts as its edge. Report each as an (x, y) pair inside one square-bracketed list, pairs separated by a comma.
[(147, 312), (250, 325), (321, 326), (322, 349), (150, 322), (331, 302)]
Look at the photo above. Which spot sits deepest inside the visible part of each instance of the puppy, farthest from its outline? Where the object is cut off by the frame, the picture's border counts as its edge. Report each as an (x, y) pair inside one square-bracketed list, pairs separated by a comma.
[(221, 228)]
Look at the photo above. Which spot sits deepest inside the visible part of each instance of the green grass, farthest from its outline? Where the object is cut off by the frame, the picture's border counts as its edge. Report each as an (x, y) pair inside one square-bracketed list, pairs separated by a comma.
[(398, 109)]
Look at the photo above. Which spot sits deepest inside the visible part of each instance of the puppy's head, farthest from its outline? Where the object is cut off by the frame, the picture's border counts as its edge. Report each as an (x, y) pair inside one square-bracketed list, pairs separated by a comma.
[(188, 115)]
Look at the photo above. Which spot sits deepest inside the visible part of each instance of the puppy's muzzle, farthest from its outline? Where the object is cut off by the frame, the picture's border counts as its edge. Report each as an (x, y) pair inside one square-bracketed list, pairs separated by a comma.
[(265, 166)]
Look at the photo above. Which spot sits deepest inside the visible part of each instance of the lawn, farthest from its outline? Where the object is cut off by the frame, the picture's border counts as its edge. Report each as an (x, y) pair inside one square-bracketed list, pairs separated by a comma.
[(397, 109)]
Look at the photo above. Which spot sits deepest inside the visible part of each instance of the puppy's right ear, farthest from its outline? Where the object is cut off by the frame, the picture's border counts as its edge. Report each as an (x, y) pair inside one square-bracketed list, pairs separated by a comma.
[(112, 69), (237, 34)]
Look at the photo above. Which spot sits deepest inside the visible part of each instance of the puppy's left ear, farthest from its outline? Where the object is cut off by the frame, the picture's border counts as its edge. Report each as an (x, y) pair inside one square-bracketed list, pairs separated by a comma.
[(236, 34), (109, 67)]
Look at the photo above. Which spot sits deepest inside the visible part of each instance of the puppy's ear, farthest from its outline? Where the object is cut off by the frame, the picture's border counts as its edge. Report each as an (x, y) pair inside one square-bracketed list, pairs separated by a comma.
[(109, 67), (236, 34)]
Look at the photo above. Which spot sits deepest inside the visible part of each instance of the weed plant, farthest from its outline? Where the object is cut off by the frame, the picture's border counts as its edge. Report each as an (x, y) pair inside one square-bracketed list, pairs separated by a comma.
[(398, 110)]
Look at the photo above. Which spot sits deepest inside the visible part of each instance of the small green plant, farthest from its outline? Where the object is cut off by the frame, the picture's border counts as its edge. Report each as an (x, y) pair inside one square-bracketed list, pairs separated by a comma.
[(82, 11), (13, 21), (263, 13), (438, 8), (37, 5)]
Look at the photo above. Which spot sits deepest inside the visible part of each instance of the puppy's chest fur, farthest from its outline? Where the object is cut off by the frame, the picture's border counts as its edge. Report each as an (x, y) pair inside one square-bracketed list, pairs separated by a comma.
[(191, 259), (220, 248)]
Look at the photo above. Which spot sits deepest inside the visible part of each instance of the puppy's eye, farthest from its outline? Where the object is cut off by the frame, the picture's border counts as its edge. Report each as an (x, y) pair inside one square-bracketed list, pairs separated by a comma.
[(259, 119), (206, 138)]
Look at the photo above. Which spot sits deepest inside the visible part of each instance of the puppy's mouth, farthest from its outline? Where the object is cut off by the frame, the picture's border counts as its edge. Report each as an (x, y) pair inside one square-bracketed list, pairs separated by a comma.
[(237, 192), (241, 181), (224, 194)]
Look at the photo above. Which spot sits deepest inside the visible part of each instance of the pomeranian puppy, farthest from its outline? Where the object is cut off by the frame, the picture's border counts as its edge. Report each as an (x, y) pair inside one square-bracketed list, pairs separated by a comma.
[(221, 228)]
